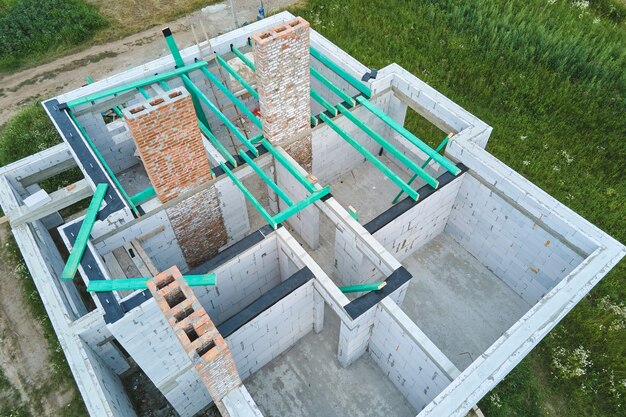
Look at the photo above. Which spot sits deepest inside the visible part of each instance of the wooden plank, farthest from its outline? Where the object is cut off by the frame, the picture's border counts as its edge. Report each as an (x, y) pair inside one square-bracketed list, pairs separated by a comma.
[(127, 264), (144, 256), (136, 259)]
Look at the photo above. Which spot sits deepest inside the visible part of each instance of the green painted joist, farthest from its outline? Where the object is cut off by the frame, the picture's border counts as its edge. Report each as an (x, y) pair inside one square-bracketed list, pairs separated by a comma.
[(256, 139), (341, 72), (249, 196), (131, 284), (323, 102), (236, 76), (389, 147), (424, 165), (301, 205), (370, 157), (135, 84), (78, 248), (171, 44), (218, 145), (195, 90), (115, 109), (143, 92), (232, 97), (164, 85), (142, 196), (109, 171), (375, 286), (441, 160), (243, 58), (332, 87), (265, 178), (288, 166), (314, 121)]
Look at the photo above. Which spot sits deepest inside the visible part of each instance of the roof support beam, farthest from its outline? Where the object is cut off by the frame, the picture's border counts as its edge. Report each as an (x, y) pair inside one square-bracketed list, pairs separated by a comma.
[(236, 76), (243, 57), (341, 72), (130, 284), (332, 87), (218, 145), (375, 286), (370, 157), (78, 248), (266, 179), (288, 166)]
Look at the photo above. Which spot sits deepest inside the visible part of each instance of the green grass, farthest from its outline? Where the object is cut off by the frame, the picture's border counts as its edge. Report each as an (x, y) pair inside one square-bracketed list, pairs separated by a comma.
[(33, 29), (550, 79)]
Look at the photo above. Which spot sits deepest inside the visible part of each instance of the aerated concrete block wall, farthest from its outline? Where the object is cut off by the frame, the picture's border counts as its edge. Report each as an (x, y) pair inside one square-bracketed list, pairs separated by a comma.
[(274, 331), (99, 338), (513, 245), (407, 357), (149, 339), (416, 227), (333, 156), (351, 265), (241, 280)]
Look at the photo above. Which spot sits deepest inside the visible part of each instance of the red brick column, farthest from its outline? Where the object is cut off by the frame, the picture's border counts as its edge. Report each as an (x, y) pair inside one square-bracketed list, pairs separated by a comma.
[(282, 60), (206, 348), (169, 142)]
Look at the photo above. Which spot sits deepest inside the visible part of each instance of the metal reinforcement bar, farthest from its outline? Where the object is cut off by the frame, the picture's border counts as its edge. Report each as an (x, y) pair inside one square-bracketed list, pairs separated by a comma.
[(332, 87), (375, 286), (441, 160), (130, 284), (389, 147), (142, 196), (370, 157), (109, 171), (231, 96), (243, 57), (323, 102), (424, 165), (341, 72), (289, 166), (135, 84), (236, 76), (249, 196), (218, 145), (265, 178), (78, 248), (301, 205), (195, 90)]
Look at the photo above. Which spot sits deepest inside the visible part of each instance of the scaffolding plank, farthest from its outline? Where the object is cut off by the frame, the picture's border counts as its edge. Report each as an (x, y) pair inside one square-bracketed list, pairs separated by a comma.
[(78, 249), (370, 157)]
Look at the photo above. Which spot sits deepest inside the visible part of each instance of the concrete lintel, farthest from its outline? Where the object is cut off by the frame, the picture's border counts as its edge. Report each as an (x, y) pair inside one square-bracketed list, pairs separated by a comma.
[(41, 165), (58, 200), (239, 403)]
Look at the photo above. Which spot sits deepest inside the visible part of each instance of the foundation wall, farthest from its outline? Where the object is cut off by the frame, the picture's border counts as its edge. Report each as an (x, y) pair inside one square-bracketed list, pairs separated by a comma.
[(274, 331), (407, 356), (241, 280), (149, 339), (527, 257)]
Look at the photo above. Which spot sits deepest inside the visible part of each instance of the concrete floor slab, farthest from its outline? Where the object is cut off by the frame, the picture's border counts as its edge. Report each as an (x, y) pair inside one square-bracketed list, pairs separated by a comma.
[(458, 303), (308, 380)]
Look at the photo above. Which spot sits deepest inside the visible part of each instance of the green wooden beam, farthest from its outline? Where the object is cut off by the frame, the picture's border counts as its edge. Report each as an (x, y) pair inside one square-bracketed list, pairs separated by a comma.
[(115, 109), (80, 244), (341, 72), (134, 84), (243, 57), (143, 92), (249, 196), (332, 87), (257, 138), (424, 165), (164, 85), (301, 205), (218, 145), (314, 121), (441, 160), (108, 169), (389, 147), (370, 157), (232, 97), (375, 286), (236, 76), (193, 88), (324, 103), (142, 196), (288, 166), (131, 284), (265, 178)]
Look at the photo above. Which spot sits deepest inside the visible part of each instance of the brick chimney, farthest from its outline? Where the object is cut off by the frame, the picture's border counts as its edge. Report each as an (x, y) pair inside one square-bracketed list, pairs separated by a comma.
[(206, 348), (169, 142), (282, 60)]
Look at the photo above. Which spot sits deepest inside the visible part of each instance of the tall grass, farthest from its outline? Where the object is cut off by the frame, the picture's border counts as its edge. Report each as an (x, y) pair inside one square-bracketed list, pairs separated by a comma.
[(549, 77), (31, 29)]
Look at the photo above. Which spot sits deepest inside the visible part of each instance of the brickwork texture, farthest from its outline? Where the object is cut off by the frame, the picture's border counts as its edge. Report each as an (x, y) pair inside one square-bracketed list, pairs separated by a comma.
[(196, 332)]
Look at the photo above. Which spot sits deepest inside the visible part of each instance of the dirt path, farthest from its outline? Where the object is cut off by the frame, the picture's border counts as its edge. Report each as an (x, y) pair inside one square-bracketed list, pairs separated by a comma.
[(99, 61), (24, 356)]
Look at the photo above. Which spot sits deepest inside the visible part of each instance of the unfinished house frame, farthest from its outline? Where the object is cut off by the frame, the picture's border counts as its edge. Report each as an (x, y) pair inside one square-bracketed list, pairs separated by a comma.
[(264, 234)]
